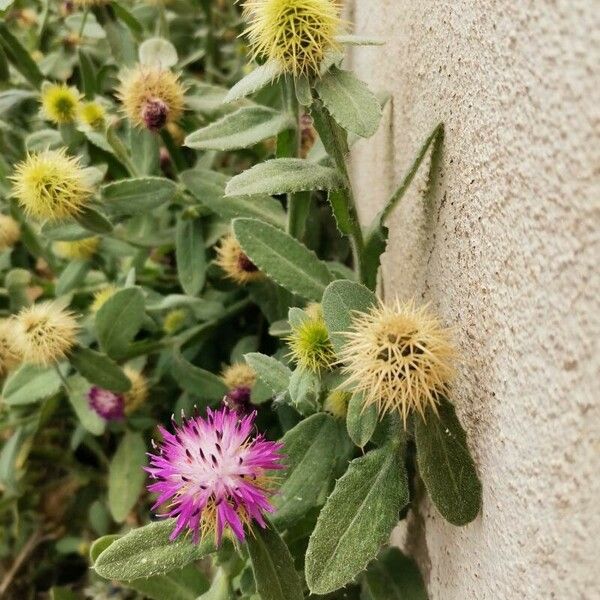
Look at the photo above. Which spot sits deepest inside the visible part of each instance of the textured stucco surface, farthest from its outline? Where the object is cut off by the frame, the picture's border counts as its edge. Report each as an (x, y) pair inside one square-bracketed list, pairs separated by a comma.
[(506, 248)]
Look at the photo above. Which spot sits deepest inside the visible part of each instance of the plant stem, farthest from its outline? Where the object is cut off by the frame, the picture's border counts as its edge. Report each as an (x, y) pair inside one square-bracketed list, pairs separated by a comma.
[(334, 139)]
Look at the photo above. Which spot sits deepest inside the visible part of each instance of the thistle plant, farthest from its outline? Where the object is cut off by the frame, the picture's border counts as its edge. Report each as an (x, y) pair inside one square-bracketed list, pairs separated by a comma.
[(179, 236)]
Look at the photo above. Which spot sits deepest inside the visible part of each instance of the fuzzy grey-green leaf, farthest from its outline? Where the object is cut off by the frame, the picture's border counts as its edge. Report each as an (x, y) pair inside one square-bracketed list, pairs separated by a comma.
[(283, 176), (243, 128), (273, 566), (254, 81), (357, 519), (310, 457), (100, 370), (126, 475), (138, 195), (29, 384), (340, 300), (148, 551), (285, 260), (190, 254), (202, 384), (361, 420), (78, 397), (446, 465), (272, 372), (350, 102)]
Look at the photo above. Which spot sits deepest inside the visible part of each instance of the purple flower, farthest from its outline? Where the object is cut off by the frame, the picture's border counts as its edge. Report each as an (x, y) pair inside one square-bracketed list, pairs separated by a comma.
[(214, 475), (107, 404)]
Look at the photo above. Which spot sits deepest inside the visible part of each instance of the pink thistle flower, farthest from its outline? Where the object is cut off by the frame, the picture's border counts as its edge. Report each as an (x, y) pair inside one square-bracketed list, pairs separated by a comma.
[(214, 474), (107, 404)]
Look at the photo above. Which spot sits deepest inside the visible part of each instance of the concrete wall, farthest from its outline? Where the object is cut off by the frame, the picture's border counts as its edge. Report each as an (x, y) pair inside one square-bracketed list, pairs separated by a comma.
[(508, 251)]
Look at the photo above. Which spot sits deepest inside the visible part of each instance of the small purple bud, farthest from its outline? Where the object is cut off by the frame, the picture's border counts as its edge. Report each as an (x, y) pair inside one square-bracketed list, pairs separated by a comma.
[(238, 400), (246, 265), (106, 404), (154, 114)]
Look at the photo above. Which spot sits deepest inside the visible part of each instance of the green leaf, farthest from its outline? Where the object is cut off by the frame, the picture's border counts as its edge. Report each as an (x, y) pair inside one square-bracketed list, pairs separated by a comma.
[(284, 259), (284, 176), (198, 382), (209, 188), (341, 213), (305, 388), (129, 19), (78, 397), (94, 220), (185, 584), (394, 576), (241, 129), (446, 465), (11, 98), (19, 57), (146, 157), (139, 195), (100, 370), (270, 371), (62, 593), (350, 102), (310, 457), (72, 276), (303, 91), (340, 300), (126, 475), (29, 384), (273, 566), (88, 77), (361, 421), (357, 519), (147, 551), (254, 81), (158, 53), (119, 319), (43, 139), (191, 255), (220, 588)]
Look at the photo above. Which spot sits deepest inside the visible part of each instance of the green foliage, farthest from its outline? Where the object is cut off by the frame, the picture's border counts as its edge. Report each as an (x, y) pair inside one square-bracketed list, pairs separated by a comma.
[(361, 421)]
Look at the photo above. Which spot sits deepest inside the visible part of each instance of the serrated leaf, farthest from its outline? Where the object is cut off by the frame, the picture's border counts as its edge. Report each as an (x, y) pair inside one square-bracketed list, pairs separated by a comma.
[(350, 102), (157, 53), (340, 300), (208, 187), (283, 176), (273, 566), (241, 129), (284, 259), (198, 382), (138, 195), (269, 370), (310, 457), (126, 475), (394, 576), (191, 255), (147, 551), (261, 76), (446, 465), (100, 370), (356, 520), (78, 397), (119, 319), (361, 421)]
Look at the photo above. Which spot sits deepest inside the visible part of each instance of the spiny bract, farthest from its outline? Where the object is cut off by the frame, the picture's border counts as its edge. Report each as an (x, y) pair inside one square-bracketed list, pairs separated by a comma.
[(44, 333), (151, 97), (78, 249), (9, 356), (295, 33), (51, 185), (137, 394), (400, 357), (10, 232), (236, 265), (60, 103), (238, 375), (309, 342), (91, 114)]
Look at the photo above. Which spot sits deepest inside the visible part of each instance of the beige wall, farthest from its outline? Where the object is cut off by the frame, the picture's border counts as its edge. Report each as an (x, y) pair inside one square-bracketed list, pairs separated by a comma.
[(507, 251)]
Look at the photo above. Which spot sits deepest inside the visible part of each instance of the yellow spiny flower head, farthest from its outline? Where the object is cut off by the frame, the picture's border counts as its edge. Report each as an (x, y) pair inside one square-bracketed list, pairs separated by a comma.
[(235, 263), (138, 392), (44, 333), (9, 356), (151, 97), (10, 232), (51, 185), (337, 403), (78, 249), (101, 296), (238, 375), (295, 33), (91, 114), (60, 103), (400, 357), (309, 343)]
